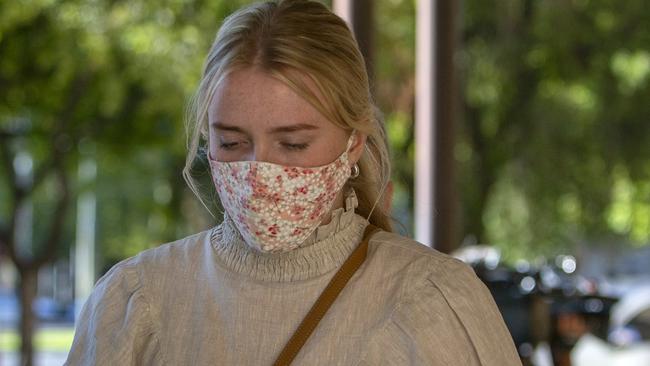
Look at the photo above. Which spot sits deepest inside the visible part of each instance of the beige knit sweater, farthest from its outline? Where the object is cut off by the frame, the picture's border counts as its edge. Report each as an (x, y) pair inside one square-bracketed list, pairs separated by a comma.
[(209, 299)]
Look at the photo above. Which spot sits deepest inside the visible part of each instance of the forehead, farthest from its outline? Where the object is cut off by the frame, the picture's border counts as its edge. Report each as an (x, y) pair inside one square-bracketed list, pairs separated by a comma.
[(251, 98)]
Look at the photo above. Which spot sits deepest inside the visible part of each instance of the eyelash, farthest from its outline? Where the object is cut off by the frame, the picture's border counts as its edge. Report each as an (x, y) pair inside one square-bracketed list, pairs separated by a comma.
[(295, 147), (228, 145), (288, 146)]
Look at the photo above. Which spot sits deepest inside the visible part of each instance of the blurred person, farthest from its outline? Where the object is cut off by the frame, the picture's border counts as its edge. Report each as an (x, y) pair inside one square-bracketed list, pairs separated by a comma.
[(300, 164), (628, 339)]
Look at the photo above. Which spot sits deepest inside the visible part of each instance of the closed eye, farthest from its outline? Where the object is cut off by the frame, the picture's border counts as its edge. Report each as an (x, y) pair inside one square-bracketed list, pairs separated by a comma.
[(294, 147), (228, 145)]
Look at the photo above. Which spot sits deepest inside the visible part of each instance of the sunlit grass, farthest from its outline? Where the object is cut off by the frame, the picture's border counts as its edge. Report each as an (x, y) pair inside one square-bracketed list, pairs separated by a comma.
[(50, 339)]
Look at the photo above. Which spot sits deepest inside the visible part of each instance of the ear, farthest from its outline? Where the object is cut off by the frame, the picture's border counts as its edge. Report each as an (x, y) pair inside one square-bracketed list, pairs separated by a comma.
[(358, 145)]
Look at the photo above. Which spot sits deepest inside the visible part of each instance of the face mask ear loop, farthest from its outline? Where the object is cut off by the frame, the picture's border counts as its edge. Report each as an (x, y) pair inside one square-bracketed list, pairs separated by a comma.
[(220, 210), (383, 188), (381, 193), (350, 139), (220, 207)]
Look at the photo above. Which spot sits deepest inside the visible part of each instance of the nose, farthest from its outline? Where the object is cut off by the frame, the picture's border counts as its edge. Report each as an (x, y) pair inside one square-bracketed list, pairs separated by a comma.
[(259, 152)]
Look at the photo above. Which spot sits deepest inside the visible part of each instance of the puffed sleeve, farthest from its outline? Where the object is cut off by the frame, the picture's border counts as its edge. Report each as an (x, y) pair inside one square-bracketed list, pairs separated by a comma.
[(448, 319), (115, 327)]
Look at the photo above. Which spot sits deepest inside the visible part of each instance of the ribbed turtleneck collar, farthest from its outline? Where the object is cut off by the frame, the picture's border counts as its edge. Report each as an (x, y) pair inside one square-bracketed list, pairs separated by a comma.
[(327, 248)]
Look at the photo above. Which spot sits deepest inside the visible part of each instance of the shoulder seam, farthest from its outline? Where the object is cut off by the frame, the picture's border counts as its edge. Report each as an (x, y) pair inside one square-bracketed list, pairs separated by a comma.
[(426, 250), (147, 301)]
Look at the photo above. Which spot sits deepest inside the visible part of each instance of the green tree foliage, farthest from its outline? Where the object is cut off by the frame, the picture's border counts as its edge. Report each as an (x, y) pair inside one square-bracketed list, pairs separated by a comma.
[(394, 93), (102, 81), (109, 80), (553, 145)]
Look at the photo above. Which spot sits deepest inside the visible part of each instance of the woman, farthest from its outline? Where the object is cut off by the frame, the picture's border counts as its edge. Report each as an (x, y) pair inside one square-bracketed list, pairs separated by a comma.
[(299, 160)]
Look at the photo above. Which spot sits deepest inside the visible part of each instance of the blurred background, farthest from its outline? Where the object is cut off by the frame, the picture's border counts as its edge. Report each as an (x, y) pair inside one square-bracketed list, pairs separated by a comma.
[(520, 137)]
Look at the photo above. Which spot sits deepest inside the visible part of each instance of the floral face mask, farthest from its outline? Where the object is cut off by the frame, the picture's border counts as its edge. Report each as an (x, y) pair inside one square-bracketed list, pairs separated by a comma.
[(276, 207)]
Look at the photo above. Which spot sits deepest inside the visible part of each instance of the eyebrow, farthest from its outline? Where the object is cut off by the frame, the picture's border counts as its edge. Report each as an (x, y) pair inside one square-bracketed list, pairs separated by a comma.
[(224, 127), (293, 128), (281, 129)]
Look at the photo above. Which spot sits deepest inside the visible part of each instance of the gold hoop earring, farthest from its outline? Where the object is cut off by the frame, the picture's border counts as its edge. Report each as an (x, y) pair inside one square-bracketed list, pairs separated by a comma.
[(355, 171)]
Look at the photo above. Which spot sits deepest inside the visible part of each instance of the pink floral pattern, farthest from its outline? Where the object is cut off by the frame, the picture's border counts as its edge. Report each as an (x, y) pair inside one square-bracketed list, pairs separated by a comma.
[(276, 207)]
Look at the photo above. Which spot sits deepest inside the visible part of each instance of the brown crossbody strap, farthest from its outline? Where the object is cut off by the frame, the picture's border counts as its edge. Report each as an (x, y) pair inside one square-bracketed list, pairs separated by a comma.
[(325, 300)]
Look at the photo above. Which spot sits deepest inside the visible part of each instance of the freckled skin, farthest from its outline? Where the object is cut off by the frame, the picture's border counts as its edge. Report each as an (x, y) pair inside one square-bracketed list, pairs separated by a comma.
[(255, 104)]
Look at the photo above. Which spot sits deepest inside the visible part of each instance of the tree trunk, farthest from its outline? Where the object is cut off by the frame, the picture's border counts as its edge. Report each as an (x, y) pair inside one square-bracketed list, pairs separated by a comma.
[(28, 279)]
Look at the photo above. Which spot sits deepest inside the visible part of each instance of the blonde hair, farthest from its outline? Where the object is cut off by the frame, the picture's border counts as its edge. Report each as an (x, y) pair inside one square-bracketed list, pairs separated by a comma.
[(291, 39)]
